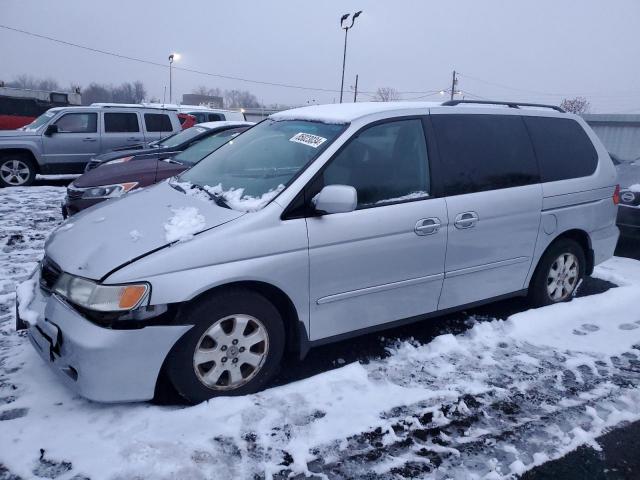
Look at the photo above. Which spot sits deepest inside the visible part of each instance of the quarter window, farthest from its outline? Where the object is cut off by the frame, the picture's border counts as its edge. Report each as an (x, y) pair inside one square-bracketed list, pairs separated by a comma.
[(78, 123), (484, 152), (562, 147), (157, 122), (121, 122), (386, 163)]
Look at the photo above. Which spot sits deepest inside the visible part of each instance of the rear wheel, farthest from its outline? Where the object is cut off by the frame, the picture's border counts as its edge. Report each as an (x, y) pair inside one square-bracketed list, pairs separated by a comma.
[(559, 273), (16, 171), (234, 348)]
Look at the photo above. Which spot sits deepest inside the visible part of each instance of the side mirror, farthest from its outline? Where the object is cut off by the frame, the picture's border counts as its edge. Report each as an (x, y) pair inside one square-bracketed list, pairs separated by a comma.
[(336, 199), (51, 129)]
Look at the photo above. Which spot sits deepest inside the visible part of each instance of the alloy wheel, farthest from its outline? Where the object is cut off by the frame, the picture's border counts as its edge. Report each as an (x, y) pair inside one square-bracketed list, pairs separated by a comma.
[(231, 352), (15, 172), (563, 277)]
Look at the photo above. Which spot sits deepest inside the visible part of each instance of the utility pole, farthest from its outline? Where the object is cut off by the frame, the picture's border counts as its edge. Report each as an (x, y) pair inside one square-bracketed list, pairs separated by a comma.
[(454, 82), (346, 32), (355, 91)]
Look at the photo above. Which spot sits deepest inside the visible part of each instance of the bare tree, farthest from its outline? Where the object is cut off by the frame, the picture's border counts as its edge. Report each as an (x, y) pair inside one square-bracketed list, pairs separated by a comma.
[(32, 83), (578, 105), (127, 92), (240, 98), (386, 94), (208, 91)]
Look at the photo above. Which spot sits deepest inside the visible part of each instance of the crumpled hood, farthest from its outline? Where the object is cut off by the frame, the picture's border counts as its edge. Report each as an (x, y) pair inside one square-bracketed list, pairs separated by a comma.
[(100, 239), (17, 133)]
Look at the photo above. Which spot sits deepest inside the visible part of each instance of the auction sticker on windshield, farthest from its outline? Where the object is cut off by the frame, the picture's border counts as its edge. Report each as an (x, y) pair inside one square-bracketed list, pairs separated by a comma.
[(308, 139)]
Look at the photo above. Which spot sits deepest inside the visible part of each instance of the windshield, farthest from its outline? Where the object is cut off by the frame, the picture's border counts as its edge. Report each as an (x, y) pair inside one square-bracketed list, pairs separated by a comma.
[(41, 120), (250, 170), (204, 147), (181, 137)]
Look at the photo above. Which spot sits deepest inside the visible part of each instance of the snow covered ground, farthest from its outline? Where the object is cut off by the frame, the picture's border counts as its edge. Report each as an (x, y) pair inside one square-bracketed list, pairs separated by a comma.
[(490, 403)]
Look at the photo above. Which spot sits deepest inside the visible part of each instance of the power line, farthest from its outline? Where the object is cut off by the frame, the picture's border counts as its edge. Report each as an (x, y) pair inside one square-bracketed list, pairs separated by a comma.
[(185, 69), (548, 94)]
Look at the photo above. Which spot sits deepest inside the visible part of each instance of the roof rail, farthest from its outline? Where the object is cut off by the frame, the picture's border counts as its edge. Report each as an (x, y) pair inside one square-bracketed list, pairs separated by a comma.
[(451, 103), (133, 105)]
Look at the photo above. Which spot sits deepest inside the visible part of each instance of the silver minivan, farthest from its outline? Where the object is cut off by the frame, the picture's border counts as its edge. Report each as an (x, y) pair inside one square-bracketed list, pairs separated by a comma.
[(318, 224)]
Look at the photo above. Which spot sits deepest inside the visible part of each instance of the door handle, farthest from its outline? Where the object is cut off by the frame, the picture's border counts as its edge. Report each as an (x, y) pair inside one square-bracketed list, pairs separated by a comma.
[(427, 226), (89, 139), (466, 220)]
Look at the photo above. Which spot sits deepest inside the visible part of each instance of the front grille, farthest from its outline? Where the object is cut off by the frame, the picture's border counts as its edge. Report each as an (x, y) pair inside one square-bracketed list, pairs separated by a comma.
[(49, 274), (74, 193)]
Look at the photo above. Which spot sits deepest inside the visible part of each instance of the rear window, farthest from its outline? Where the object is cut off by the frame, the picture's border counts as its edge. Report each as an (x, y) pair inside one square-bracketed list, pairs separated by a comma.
[(157, 122), (121, 122), (484, 152), (563, 148)]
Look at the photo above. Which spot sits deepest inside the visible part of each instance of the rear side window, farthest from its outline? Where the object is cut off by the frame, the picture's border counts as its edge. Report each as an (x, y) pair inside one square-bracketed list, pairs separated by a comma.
[(215, 117), (563, 148), (157, 122), (121, 122), (386, 163), (484, 152)]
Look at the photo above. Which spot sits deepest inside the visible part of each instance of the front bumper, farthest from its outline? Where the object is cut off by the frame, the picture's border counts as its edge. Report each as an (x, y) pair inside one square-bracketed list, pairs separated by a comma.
[(72, 206), (629, 220), (100, 364)]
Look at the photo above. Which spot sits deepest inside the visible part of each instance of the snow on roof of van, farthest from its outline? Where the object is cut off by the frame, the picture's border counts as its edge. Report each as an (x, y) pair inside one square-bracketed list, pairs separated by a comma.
[(228, 123), (347, 112)]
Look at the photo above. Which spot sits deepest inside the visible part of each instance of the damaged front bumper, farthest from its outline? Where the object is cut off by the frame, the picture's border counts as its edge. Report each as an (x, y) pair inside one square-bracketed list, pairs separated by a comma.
[(98, 363)]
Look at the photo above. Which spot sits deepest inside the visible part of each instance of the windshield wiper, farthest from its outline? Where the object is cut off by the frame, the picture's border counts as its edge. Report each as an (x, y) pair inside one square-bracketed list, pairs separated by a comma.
[(219, 199)]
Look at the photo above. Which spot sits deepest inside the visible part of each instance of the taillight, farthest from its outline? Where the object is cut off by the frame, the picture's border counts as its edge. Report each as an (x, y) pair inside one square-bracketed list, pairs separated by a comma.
[(616, 195)]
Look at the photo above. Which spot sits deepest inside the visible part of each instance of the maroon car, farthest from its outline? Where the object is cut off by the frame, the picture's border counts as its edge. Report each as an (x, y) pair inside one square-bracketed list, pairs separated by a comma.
[(114, 180)]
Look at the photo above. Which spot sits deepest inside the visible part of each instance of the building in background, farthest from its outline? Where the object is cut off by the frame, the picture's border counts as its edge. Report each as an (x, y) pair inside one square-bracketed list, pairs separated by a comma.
[(620, 133), (21, 106), (197, 99)]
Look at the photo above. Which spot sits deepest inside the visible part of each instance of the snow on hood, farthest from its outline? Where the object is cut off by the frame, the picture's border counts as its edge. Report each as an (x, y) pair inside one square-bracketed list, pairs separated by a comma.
[(18, 133), (98, 240)]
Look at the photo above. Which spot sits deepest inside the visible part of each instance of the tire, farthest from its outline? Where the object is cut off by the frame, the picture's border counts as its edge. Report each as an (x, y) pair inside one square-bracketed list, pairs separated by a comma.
[(17, 170), (568, 276), (227, 363)]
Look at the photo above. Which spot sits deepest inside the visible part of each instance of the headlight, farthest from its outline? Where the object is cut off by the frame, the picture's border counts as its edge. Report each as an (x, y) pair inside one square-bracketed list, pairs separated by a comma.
[(102, 298), (118, 160), (109, 191)]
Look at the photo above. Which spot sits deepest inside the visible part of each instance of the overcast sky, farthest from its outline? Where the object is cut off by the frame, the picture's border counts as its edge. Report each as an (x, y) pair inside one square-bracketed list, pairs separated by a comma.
[(540, 50)]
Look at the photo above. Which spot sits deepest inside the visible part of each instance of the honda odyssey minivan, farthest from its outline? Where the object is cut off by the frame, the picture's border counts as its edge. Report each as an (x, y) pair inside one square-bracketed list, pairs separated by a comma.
[(318, 224)]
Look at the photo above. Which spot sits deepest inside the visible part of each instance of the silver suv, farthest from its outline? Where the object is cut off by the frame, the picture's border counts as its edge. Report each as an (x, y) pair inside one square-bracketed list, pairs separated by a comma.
[(62, 140), (318, 224)]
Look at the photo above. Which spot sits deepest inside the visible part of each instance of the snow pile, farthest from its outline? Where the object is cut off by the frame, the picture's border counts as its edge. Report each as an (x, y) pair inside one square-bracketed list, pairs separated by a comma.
[(135, 235), (634, 188), (409, 196), (233, 197), (236, 199), (183, 225)]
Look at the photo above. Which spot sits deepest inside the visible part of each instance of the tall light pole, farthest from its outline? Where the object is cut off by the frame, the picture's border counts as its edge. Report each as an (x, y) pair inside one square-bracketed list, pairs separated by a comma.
[(172, 57), (344, 24)]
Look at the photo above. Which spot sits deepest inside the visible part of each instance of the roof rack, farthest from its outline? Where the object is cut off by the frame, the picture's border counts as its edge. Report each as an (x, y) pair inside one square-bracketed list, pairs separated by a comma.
[(451, 103)]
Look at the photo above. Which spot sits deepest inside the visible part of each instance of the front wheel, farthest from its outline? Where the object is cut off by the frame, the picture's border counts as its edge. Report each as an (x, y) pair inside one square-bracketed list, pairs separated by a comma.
[(16, 171), (234, 348), (559, 273)]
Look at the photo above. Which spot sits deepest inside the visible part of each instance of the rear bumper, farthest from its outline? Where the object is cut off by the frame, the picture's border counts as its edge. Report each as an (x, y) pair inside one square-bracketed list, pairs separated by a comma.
[(100, 364), (629, 220)]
